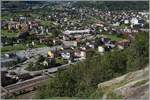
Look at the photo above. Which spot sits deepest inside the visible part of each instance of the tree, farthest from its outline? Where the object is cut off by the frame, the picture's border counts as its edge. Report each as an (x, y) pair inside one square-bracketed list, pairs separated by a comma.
[(138, 52)]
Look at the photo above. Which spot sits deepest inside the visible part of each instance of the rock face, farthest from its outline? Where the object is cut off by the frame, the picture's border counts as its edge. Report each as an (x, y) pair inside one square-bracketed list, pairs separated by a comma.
[(133, 85)]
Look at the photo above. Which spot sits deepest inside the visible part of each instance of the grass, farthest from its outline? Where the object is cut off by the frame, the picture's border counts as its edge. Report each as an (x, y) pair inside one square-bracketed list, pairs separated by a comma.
[(64, 98), (18, 47), (108, 90), (5, 17), (113, 37), (113, 86), (139, 83), (13, 48), (122, 26), (8, 33), (98, 94), (46, 23), (113, 95)]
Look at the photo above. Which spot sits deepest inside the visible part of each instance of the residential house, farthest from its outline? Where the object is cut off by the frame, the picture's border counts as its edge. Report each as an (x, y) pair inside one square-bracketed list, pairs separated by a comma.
[(69, 43), (122, 44), (134, 21)]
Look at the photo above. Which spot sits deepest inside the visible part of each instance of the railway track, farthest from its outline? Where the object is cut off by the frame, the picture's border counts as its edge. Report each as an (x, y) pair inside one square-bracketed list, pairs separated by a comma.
[(24, 86), (29, 85)]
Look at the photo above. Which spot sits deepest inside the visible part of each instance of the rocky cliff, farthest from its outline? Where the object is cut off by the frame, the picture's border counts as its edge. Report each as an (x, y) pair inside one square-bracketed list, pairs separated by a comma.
[(133, 85)]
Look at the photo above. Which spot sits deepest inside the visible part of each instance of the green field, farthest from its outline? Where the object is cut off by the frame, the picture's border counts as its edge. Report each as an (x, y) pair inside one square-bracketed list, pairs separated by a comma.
[(113, 37), (46, 23), (18, 47), (8, 33)]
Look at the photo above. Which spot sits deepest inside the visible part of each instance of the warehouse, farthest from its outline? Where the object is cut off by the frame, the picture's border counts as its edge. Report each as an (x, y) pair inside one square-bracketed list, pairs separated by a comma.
[(68, 32)]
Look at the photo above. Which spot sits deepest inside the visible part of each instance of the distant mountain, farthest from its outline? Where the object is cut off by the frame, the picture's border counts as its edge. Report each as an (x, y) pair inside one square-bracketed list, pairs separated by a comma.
[(20, 4), (114, 5), (104, 5)]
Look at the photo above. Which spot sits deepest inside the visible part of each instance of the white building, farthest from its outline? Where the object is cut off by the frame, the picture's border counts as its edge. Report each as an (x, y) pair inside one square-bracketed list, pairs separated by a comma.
[(116, 24), (70, 43), (65, 55), (80, 54), (101, 49), (69, 32), (126, 21), (134, 21)]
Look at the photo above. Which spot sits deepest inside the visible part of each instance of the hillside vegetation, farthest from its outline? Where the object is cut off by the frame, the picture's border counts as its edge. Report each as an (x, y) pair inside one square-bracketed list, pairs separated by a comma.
[(114, 5), (81, 80), (104, 5), (133, 85)]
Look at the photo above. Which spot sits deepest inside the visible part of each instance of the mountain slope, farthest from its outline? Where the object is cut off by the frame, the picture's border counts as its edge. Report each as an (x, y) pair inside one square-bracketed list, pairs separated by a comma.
[(133, 85)]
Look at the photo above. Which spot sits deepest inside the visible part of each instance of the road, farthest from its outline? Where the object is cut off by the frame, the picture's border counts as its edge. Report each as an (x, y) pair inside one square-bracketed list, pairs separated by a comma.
[(33, 55), (31, 52), (36, 51)]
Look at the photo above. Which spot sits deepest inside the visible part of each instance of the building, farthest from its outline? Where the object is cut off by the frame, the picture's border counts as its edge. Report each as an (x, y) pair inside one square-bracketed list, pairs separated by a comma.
[(126, 21), (68, 32), (134, 21), (101, 49), (69, 43)]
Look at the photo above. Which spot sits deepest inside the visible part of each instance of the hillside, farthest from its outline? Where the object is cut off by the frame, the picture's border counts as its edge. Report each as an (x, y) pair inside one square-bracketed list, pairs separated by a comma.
[(103, 5), (115, 5), (133, 85)]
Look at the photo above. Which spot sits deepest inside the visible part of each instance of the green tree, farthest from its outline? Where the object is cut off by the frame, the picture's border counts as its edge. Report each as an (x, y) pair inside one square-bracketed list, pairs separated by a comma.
[(138, 52)]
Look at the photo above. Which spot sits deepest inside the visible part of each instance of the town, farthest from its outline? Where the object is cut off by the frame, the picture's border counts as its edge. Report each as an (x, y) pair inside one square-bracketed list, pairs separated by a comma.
[(39, 41)]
